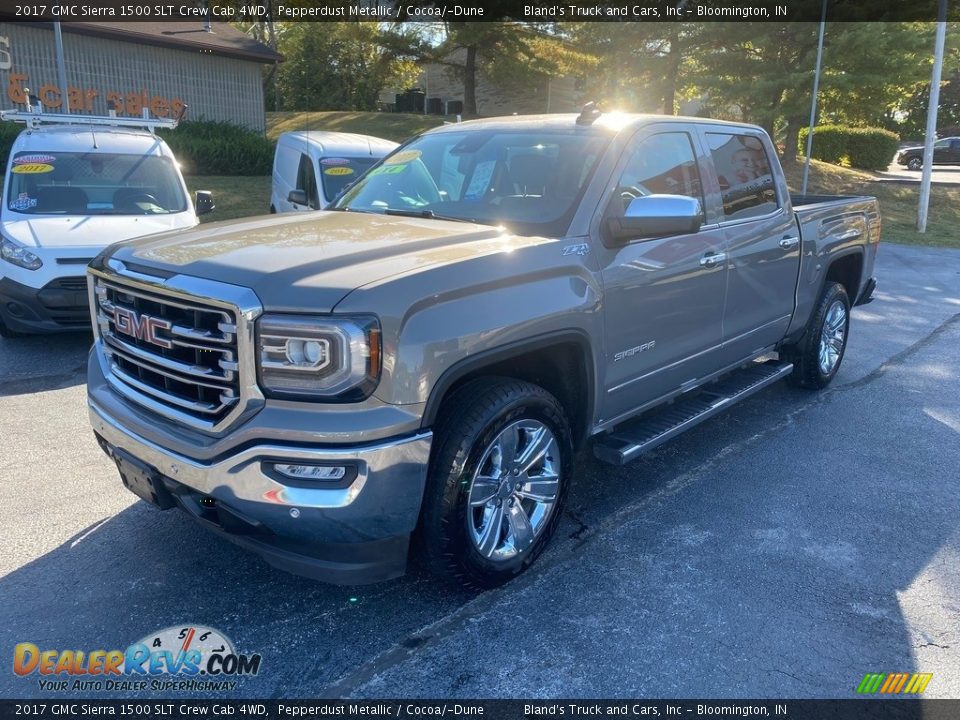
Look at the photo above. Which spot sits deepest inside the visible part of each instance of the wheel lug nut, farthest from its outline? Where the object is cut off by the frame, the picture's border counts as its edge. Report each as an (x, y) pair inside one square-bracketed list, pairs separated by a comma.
[(518, 486), (499, 502), (516, 471)]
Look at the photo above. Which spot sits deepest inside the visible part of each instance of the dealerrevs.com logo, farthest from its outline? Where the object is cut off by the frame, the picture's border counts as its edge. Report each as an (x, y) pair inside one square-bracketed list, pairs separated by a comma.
[(188, 658)]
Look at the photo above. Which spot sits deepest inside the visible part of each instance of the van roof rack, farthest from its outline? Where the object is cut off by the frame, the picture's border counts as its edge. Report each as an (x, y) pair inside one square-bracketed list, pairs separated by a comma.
[(35, 119)]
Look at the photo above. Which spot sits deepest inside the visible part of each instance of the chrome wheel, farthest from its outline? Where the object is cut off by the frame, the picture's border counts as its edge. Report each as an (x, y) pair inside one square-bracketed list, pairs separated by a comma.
[(514, 490), (832, 337)]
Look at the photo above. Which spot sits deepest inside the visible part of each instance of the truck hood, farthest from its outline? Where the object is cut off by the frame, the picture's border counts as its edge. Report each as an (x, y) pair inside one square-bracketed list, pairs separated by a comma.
[(96, 231), (310, 261)]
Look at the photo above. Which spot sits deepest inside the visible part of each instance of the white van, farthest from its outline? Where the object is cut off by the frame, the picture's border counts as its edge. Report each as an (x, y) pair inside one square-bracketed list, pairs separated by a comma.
[(74, 185), (336, 158)]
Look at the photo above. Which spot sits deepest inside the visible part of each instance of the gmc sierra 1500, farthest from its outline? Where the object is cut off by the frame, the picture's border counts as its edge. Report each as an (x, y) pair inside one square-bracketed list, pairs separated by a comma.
[(422, 359)]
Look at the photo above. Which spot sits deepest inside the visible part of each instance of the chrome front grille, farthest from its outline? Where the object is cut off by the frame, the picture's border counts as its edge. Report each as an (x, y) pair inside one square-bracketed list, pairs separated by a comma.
[(181, 355)]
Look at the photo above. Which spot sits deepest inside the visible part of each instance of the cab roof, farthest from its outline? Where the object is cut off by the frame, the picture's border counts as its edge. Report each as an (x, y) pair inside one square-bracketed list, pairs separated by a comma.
[(73, 138), (609, 122), (341, 143)]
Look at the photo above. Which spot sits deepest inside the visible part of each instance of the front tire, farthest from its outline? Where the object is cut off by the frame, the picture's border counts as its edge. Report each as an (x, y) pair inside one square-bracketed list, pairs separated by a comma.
[(817, 357), (914, 163), (499, 471)]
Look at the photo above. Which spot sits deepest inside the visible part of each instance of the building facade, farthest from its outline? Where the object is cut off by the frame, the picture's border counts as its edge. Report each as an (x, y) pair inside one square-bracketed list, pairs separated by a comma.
[(212, 69), (444, 81)]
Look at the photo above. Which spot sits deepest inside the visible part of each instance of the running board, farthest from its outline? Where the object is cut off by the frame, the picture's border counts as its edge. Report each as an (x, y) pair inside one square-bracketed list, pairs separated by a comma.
[(635, 437)]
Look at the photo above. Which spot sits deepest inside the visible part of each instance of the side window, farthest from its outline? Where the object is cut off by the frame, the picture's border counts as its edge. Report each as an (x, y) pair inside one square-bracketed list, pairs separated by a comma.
[(662, 164), (746, 181), (307, 180)]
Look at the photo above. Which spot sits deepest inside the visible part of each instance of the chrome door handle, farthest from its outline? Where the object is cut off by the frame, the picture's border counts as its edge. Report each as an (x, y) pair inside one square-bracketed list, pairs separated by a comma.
[(712, 260), (788, 242)]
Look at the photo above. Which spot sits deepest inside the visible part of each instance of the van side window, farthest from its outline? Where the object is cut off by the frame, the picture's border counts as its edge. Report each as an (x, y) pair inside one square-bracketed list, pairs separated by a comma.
[(307, 180), (662, 164), (743, 169)]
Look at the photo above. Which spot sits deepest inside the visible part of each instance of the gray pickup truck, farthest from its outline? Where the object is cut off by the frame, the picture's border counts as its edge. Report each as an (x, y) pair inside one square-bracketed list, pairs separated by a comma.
[(417, 365)]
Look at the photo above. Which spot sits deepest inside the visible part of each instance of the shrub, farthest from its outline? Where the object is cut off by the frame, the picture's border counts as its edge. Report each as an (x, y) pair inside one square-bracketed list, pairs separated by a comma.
[(8, 133), (218, 148), (865, 148)]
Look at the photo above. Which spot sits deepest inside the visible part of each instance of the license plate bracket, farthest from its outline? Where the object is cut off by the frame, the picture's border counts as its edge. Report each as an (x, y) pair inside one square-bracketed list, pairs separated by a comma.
[(143, 480)]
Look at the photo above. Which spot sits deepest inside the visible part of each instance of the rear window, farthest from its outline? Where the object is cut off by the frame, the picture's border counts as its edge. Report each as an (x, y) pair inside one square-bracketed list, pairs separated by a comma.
[(338, 172), (746, 180), (58, 183)]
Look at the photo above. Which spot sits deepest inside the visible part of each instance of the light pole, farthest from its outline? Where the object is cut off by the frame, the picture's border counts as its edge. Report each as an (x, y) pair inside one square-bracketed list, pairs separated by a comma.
[(813, 104), (932, 108)]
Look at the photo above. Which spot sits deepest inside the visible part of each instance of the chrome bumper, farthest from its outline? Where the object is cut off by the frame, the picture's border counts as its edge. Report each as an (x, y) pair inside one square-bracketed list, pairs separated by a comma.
[(346, 535), (243, 475)]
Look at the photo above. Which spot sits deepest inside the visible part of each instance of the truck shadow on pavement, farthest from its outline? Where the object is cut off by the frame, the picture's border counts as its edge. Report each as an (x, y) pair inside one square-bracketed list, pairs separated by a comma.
[(767, 553)]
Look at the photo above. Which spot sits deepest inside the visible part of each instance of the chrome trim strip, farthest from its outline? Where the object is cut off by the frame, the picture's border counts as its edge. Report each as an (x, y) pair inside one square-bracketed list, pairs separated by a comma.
[(164, 366), (697, 354), (241, 476), (194, 405)]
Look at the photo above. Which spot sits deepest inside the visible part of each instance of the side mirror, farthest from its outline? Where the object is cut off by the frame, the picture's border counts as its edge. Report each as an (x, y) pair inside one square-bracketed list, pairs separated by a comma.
[(203, 202), (652, 216), (298, 197)]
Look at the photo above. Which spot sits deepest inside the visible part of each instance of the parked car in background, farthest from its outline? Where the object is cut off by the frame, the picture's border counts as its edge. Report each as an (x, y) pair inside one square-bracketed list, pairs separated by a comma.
[(75, 184), (946, 151), (336, 158)]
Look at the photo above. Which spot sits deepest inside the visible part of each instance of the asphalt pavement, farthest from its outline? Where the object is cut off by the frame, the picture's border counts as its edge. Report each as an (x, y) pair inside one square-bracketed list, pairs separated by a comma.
[(941, 175), (783, 549)]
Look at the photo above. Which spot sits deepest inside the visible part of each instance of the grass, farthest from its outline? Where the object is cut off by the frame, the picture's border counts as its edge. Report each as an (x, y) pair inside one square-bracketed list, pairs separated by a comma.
[(391, 126), (234, 196), (898, 203)]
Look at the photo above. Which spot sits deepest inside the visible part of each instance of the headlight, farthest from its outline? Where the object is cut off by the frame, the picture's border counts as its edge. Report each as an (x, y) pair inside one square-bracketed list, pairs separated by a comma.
[(313, 357), (18, 255)]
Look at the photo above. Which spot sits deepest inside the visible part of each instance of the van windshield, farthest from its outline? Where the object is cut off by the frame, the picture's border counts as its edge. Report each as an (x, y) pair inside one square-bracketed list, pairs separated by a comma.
[(338, 172), (530, 182), (58, 183)]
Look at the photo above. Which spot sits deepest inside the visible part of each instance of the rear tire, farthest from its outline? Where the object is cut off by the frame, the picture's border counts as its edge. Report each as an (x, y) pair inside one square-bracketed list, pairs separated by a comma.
[(817, 356), (499, 471)]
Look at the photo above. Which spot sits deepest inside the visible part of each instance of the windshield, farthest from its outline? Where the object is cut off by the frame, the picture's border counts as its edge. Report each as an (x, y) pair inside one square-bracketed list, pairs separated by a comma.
[(338, 172), (94, 184), (530, 182)]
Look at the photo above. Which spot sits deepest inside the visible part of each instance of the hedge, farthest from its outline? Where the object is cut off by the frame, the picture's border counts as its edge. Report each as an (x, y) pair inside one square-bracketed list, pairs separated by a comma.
[(865, 148), (8, 133), (218, 148), (203, 148)]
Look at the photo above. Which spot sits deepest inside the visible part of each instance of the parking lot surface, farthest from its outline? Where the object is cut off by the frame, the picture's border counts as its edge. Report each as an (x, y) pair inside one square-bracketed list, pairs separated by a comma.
[(783, 549)]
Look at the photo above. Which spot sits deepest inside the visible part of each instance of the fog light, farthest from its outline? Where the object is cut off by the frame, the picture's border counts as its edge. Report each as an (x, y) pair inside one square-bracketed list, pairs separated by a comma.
[(311, 472)]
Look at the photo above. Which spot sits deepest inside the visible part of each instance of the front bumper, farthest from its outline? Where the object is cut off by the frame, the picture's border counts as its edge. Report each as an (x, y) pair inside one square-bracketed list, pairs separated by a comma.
[(59, 306), (343, 535)]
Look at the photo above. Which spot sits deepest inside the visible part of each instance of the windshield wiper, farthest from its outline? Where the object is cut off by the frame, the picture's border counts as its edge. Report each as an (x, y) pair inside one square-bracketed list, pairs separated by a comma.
[(430, 214)]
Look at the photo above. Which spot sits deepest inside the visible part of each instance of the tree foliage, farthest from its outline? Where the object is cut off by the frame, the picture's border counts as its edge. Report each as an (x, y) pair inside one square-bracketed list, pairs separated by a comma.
[(874, 74), (340, 66)]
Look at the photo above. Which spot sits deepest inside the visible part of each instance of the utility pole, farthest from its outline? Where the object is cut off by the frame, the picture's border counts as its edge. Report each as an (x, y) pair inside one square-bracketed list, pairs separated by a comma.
[(932, 109), (61, 67), (813, 104)]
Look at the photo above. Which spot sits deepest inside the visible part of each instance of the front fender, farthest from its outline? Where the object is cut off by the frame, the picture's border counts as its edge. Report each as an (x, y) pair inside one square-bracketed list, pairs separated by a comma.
[(434, 319)]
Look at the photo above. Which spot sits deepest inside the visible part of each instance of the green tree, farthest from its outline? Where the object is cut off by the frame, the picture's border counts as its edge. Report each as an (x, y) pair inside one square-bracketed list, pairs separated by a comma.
[(763, 72), (507, 52), (340, 65)]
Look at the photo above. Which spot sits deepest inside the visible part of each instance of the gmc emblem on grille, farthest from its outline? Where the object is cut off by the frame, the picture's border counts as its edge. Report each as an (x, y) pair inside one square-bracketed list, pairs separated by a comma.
[(142, 327)]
